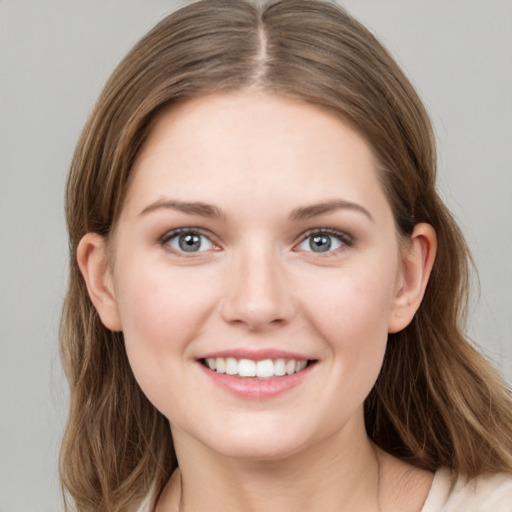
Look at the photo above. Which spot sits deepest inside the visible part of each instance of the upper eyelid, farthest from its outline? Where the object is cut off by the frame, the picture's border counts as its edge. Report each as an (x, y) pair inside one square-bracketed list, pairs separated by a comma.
[(179, 231), (342, 235)]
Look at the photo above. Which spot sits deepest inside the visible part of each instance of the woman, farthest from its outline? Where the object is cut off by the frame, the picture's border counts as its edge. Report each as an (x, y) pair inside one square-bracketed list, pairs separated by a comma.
[(266, 293)]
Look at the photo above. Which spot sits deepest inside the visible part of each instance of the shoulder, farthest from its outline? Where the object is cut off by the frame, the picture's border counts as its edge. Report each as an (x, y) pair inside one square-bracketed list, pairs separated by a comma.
[(486, 493)]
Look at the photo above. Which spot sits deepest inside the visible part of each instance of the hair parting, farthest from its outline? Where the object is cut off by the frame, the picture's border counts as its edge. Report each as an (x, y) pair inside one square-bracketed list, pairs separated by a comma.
[(437, 401)]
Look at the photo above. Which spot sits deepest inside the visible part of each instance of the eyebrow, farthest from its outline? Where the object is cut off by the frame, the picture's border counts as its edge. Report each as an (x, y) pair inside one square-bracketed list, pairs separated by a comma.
[(300, 213), (191, 208), (310, 211)]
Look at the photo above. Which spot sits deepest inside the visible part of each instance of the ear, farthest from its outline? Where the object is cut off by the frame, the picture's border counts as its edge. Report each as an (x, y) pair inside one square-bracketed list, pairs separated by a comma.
[(93, 262), (417, 261)]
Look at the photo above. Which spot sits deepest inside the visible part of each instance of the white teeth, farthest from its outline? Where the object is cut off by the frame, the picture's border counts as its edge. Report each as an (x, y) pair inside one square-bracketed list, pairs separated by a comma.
[(279, 367), (231, 366), (220, 365), (265, 368), (291, 366), (246, 368)]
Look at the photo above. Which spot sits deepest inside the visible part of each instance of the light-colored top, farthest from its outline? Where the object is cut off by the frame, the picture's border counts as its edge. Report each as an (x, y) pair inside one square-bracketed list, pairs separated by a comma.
[(483, 494)]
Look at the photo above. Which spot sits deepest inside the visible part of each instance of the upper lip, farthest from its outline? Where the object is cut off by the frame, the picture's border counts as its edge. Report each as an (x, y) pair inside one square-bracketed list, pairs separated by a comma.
[(256, 354)]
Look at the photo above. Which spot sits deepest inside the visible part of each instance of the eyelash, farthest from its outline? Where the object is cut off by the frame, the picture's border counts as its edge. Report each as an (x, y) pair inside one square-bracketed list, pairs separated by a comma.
[(345, 239), (184, 231)]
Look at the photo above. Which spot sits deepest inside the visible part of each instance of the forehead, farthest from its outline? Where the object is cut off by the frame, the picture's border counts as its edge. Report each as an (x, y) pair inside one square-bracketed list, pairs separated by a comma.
[(252, 146)]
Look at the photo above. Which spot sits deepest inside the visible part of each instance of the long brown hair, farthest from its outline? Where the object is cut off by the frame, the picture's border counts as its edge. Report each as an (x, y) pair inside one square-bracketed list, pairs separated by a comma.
[(437, 402)]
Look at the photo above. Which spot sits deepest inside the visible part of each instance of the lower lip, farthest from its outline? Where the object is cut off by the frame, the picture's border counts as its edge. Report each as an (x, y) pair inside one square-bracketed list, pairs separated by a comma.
[(254, 388)]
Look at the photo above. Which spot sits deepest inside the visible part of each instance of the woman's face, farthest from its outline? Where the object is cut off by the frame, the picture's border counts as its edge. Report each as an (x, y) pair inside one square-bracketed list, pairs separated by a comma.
[(256, 240)]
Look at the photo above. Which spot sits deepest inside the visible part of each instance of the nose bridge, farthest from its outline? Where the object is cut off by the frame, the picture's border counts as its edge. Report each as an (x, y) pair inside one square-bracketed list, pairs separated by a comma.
[(257, 293)]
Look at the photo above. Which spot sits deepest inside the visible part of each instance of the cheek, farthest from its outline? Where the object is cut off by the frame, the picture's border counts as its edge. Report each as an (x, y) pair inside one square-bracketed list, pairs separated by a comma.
[(352, 306), (161, 303), (357, 320), (350, 311), (161, 312)]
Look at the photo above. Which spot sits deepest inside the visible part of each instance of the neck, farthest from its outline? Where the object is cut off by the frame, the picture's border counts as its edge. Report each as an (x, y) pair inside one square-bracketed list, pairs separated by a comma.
[(341, 473)]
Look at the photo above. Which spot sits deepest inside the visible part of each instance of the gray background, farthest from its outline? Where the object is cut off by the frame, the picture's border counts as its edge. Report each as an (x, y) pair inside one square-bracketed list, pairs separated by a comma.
[(54, 59)]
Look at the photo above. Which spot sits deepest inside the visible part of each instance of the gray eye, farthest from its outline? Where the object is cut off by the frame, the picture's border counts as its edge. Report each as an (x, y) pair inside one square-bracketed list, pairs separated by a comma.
[(321, 242), (190, 242)]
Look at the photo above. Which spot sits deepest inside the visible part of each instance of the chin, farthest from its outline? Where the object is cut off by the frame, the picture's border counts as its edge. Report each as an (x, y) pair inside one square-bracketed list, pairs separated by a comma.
[(263, 439), (260, 450)]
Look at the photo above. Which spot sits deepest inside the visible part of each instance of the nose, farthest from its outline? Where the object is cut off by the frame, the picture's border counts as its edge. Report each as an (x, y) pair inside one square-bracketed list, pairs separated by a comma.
[(258, 294)]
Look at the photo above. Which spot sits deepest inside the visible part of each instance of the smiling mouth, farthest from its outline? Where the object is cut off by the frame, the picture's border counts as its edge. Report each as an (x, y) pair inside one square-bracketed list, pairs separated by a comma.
[(262, 369)]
